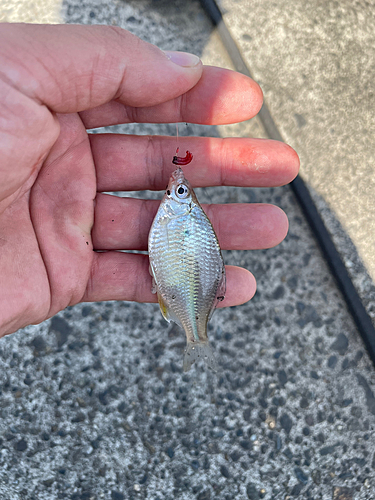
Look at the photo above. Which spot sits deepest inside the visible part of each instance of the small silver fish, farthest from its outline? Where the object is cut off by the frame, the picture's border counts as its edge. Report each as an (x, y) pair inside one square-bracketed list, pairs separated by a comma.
[(187, 266)]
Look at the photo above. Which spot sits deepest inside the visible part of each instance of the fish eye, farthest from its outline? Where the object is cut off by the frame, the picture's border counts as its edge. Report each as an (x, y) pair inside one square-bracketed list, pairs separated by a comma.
[(182, 191)]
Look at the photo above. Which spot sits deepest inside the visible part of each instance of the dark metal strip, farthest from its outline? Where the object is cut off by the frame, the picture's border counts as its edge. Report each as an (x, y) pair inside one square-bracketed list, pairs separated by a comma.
[(330, 253)]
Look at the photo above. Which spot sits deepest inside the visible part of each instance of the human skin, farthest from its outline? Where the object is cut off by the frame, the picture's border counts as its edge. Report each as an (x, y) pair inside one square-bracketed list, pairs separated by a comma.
[(56, 82)]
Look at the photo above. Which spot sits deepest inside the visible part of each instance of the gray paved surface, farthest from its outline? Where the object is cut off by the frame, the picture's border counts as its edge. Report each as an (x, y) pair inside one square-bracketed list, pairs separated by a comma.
[(315, 64), (94, 405)]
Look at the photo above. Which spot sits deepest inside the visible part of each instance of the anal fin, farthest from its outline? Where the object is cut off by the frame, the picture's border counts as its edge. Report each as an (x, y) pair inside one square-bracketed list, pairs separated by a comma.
[(163, 308), (220, 293)]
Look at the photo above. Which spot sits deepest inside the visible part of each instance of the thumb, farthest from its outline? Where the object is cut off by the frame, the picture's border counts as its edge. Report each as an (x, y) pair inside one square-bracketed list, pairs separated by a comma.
[(71, 68)]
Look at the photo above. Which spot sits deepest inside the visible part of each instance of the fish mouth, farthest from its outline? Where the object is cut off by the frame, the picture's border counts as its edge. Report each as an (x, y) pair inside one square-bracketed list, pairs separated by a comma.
[(178, 175)]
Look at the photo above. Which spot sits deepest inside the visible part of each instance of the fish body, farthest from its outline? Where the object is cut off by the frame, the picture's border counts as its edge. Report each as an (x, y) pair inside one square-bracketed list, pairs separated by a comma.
[(187, 266)]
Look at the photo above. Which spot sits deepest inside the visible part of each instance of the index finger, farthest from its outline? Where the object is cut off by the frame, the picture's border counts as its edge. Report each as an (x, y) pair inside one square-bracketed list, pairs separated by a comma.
[(221, 96)]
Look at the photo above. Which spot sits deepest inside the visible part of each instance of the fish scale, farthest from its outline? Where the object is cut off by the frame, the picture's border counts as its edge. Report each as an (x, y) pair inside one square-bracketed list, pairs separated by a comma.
[(187, 267)]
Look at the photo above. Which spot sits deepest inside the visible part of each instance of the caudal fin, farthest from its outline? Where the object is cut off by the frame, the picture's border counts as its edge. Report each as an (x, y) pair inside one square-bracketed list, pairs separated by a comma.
[(195, 351)]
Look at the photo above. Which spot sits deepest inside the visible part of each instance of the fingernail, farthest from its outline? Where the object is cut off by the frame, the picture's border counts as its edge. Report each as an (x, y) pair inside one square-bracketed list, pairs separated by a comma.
[(183, 59)]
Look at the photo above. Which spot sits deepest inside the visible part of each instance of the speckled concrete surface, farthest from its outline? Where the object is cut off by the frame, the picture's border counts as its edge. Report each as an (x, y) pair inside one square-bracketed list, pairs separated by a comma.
[(315, 64), (94, 404)]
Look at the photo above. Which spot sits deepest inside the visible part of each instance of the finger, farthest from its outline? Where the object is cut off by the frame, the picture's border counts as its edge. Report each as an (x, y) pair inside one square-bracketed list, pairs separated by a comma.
[(122, 276), (126, 162), (124, 224), (69, 68), (221, 96)]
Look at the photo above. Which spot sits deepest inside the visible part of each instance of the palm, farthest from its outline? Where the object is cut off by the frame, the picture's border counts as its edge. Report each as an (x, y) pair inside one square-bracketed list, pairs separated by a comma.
[(50, 252)]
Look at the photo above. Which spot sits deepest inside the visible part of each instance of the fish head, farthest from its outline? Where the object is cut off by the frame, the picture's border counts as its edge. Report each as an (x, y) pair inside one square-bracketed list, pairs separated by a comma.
[(179, 194)]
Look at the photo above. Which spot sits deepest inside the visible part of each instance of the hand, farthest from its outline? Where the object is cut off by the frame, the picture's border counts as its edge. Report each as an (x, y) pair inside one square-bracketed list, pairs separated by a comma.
[(56, 81)]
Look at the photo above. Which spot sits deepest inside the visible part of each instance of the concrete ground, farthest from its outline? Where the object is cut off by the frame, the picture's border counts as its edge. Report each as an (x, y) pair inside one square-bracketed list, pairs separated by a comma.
[(315, 64), (94, 404)]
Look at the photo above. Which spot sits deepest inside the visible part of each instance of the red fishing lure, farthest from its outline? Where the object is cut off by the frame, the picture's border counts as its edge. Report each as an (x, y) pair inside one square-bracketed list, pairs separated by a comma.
[(180, 160)]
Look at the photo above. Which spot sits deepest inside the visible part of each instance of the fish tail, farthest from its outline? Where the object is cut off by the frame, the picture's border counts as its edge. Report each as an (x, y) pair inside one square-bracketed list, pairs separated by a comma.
[(199, 350)]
